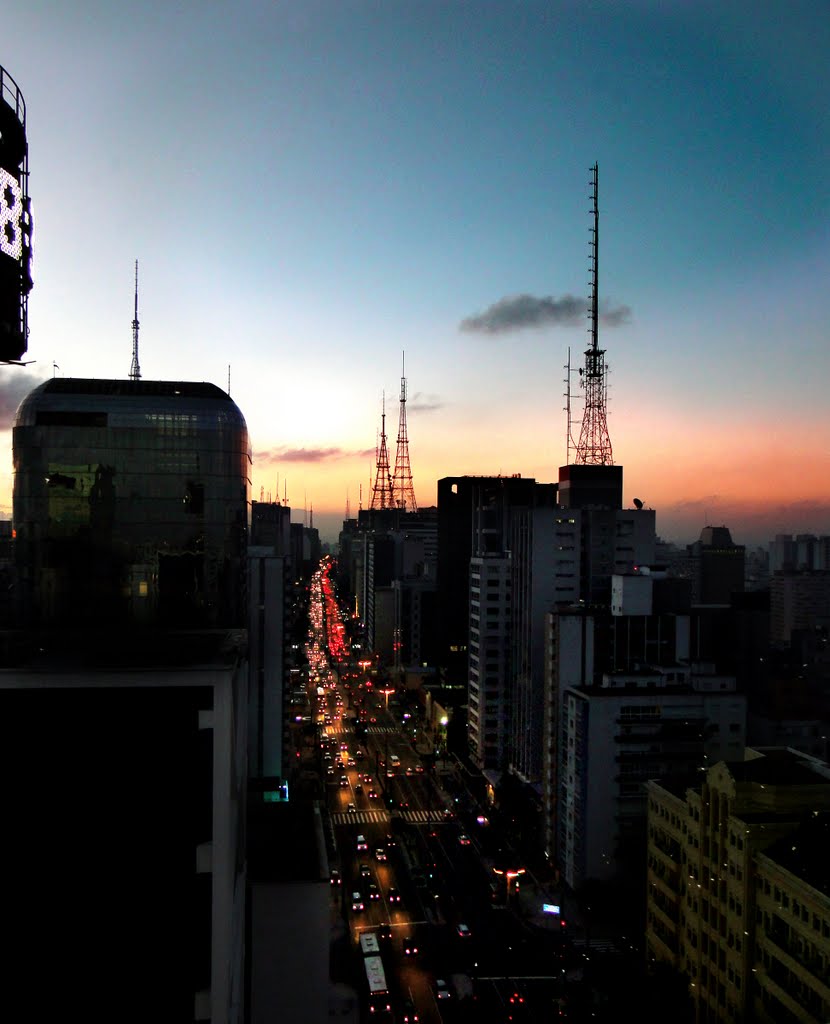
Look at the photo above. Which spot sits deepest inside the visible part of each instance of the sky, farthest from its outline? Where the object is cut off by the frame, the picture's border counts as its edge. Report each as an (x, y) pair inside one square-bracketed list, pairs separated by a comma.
[(314, 189)]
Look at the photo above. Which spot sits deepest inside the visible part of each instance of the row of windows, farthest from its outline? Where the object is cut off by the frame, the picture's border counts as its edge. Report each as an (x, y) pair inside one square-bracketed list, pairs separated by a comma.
[(796, 908)]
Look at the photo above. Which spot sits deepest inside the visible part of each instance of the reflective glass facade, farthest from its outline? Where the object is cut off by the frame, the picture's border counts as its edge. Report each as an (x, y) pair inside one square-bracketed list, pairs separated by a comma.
[(130, 504)]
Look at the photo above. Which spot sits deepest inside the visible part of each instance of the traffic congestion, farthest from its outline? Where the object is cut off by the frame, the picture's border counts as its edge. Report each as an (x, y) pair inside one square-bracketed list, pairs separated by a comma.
[(428, 920)]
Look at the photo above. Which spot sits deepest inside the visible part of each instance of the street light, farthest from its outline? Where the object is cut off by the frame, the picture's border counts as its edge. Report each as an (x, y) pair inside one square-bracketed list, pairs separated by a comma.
[(443, 722), (509, 875)]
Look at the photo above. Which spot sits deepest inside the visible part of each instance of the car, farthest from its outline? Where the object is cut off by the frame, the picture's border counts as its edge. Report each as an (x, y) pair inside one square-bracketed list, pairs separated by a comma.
[(357, 902), (393, 895), (361, 843), (442, 989), (380, 853), (367, 778), (384, 932), (373, 794), (344, 781), (464, 839), (409, 946), (391, 842), (335, 877), (351, 809), (365, 870), (374, 892), (408, 1012), (463, 931), (344, 746), (351, 762), (358, 788)]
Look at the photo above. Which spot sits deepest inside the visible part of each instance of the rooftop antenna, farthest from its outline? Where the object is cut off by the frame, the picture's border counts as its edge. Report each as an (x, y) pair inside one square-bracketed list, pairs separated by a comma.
[(360, 497), (229, 380), (403, 491), (594, 445), (135, 369), (348, 505), (570, 444)]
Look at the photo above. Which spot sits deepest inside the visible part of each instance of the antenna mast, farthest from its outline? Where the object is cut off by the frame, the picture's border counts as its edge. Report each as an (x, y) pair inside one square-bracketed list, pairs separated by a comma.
[(404, 493), (570, 444), (135, 369), (382, 491), (594, 445)]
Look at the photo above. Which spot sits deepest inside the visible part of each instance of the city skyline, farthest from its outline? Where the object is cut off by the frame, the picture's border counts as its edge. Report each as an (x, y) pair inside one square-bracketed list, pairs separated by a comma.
[(312, 190)]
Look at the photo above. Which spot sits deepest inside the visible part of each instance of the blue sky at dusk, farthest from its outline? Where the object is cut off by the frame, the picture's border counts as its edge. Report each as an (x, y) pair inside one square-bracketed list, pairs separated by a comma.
[(313, 188)]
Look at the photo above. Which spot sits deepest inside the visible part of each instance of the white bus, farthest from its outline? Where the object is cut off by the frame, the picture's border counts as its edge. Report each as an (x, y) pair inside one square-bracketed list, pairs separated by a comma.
[(378, 1000)]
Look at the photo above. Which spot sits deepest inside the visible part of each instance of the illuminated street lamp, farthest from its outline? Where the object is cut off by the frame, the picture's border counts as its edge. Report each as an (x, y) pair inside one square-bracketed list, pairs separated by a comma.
[(510, 874), (386, 695), (442, 737)]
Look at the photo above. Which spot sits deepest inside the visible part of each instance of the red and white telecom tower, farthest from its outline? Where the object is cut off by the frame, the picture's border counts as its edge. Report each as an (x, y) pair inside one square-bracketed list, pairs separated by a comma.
[(382, 489), (403, 491)]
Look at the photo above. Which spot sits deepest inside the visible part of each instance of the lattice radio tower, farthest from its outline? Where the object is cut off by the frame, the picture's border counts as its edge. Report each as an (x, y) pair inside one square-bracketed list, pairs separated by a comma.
[(382, 490), (594, 445), (403, 491), (135, 369)]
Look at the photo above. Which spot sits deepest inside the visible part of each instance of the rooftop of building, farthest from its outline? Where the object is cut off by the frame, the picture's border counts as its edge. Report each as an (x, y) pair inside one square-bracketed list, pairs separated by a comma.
[(780, 766), (75, 650), (803, 852), (764, 766), (126, 386)]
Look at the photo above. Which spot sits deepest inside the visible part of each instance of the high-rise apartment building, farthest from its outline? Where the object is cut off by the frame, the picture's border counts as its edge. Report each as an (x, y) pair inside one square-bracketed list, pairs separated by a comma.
[(737, 886)]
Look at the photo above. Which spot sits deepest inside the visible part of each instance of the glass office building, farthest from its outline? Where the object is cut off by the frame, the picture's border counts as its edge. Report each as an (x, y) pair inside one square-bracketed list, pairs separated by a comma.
[(130, 504)]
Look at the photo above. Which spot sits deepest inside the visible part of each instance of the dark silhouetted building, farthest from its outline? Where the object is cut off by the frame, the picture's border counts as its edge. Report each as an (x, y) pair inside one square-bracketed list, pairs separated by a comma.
[(123, 706), (130, 504), (718, 566)]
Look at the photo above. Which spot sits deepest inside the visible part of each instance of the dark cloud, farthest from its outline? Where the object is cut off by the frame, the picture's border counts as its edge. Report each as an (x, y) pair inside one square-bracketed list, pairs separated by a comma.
[(309, 454), (14, 386), (615, 316), (515, 312), (423, 402)]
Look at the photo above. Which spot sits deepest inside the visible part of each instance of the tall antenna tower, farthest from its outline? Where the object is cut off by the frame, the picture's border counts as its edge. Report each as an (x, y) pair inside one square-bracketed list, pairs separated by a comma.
[(135, 369), (403, 492), (382, 491), (594, 445)]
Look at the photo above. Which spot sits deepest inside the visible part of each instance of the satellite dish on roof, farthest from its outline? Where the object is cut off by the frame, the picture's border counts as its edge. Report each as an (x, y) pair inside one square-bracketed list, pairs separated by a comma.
[(637, 503)]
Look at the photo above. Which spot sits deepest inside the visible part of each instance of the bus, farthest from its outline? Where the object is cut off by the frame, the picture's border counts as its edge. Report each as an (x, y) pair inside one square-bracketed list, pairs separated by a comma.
[(378, 990)]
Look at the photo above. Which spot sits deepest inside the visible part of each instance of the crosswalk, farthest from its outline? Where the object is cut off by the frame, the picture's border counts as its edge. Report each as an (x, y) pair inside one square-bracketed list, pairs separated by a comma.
[(360, 817), (377, 816)]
